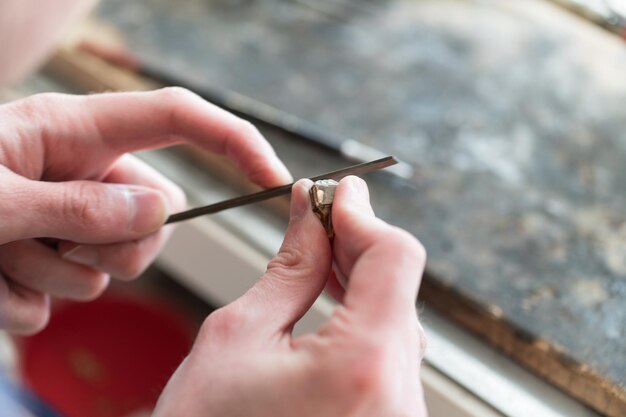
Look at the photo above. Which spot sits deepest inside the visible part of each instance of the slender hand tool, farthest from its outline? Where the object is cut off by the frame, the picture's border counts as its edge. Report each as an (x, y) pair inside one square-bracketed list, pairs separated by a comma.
[(282, 190)]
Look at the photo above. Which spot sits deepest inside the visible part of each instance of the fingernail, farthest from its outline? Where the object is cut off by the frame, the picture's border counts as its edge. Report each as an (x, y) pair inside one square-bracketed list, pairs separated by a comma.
[(84, 255), (148, 210), (300, 200), (358, 189)]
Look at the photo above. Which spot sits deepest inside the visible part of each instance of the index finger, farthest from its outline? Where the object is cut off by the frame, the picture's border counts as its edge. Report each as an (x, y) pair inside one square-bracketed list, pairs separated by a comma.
[(102, 127), (384, 263)]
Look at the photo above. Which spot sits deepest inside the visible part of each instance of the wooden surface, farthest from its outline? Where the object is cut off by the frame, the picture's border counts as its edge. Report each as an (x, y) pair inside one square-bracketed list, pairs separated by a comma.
[(513, 116)]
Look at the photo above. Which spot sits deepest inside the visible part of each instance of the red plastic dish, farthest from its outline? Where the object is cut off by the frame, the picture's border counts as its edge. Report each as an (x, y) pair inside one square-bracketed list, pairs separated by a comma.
[(107, 358)]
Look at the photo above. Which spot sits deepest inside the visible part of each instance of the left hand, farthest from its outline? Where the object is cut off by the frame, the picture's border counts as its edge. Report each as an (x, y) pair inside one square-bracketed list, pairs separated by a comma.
[(65, 174), (363, 362)]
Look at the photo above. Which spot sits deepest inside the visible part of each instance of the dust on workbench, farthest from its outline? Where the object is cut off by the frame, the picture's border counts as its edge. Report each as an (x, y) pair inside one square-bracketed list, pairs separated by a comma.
[(513, 114)]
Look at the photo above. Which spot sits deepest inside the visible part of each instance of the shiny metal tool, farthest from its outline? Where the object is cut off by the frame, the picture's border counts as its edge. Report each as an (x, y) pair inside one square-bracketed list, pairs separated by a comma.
[(282, 190)]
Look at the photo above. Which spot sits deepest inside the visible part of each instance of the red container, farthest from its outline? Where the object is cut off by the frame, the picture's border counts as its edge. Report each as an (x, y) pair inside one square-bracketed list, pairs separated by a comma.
[(106, 358)]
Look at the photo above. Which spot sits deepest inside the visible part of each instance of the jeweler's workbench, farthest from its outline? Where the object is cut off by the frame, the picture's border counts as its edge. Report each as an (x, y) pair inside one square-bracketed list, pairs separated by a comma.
[(512, 115)]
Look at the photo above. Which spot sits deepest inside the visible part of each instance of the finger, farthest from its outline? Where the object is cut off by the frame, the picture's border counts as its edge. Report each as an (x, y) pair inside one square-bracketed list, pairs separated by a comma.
[(124, 261), (348, 248), (127, 260), (384, 264), (101, 127), (39, 268), (22, 310), (334, 288), (80, 211), (131, 170), (296, 276)]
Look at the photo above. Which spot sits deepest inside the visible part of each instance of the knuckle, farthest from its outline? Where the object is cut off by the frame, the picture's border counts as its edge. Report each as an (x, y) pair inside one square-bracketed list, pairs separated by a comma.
[(286, 261), (245, 144), (223, 324), (239, 131), (258, 171), (174, 95), (405, 242), (173, 102), (38, 103), (80, 206), (246, 129), (366, 376)]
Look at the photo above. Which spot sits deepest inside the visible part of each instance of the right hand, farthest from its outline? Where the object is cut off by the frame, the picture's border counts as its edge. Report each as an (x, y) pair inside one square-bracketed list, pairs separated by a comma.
[(364, 362)]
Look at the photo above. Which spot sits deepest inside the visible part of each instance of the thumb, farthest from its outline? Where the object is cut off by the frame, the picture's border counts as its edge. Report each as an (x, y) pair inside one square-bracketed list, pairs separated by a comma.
[(87, 211), (297, 275)]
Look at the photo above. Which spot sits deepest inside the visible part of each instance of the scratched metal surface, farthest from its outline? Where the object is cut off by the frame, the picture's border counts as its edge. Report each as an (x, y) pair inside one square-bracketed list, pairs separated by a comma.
[(512, 113)]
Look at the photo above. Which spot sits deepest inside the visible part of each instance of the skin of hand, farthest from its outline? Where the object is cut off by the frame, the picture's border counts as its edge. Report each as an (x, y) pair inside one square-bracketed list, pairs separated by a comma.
[(363, 362), (65, 174), (29, 29)]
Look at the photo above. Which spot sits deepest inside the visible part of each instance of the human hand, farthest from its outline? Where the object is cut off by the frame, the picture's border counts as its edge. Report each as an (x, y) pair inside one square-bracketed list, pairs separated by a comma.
[(65, 174), (363, 362)]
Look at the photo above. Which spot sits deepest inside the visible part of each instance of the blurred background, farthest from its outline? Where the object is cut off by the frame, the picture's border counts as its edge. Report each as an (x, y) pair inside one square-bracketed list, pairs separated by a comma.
[(509, 119)]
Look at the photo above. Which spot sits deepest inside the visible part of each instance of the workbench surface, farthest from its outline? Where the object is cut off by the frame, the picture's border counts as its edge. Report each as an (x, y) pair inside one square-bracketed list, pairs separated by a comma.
[(513, 115)]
